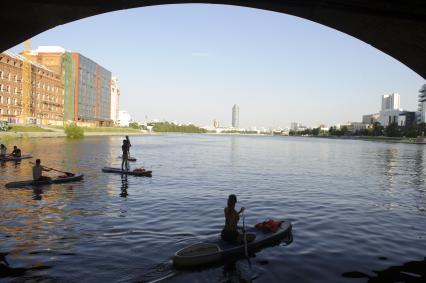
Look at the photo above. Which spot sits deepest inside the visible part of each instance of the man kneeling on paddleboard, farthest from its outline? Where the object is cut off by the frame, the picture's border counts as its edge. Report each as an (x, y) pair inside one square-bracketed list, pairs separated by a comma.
[(230, 232), (38, 171)]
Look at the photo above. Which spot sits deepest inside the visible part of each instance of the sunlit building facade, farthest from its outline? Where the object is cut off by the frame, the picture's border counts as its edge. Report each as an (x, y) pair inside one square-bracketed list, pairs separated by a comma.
[(29, 92), (87, 85), (115, 99)]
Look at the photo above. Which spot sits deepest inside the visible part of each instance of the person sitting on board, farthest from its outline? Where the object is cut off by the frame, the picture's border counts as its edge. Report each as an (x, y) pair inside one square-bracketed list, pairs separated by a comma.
[(125, 155), (16, 152), (38, 172), (3, 150), (230, 232)]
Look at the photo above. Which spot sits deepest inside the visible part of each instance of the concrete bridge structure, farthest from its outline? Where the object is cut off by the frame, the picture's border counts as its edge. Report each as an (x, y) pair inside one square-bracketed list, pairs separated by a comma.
[(396, 27)]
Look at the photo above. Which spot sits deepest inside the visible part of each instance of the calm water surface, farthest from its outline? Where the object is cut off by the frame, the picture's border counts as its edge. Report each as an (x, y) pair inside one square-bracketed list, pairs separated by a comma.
[(358, 209)]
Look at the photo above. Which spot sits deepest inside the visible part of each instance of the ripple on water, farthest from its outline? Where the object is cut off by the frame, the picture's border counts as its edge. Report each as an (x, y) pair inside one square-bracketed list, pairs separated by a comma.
[(356, 207)]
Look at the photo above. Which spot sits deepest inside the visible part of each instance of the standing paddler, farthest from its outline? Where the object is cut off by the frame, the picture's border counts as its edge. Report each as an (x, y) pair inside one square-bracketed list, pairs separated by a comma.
[(126, 153)]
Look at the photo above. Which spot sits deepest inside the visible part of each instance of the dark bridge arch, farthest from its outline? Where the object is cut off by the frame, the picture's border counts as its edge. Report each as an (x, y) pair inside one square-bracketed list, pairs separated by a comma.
[(396, 27)]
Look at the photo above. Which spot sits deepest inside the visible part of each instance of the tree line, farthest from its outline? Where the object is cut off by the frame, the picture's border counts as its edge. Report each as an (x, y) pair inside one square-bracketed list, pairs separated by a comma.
[(376, 130)]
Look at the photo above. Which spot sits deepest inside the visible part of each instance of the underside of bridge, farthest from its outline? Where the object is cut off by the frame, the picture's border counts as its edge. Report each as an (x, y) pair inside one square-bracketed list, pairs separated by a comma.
[(396, 27)]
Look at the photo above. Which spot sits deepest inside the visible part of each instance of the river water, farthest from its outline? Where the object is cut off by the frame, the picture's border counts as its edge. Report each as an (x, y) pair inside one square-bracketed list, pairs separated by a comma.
[(358, 209)]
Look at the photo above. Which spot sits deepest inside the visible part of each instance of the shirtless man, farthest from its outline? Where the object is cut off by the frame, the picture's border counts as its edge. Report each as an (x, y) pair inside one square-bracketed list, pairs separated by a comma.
[(38, 172), (230, 232)]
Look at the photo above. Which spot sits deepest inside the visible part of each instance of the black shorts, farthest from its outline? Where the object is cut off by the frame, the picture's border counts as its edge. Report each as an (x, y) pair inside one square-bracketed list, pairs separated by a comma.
[(229, 236)]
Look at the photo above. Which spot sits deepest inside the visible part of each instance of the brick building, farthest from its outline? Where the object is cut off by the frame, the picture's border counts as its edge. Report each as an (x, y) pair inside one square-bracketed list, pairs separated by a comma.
[(29, 92)]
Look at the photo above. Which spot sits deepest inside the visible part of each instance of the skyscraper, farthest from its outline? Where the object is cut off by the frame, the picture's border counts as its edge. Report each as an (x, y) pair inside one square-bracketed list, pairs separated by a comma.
[(235, 116)]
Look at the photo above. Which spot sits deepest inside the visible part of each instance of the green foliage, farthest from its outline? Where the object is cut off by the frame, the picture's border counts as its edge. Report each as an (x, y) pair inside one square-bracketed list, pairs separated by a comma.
[(22, 129), (421, 129), (4, 126), (377, 129), (165, 127), (73, 131), (134, 125), (392, 130)]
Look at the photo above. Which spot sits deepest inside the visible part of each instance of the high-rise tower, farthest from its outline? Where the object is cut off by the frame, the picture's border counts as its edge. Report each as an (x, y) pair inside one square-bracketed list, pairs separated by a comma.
[(235, 116)]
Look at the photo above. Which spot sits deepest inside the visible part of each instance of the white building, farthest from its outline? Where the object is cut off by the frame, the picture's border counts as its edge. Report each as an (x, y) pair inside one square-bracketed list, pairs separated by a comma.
[(391, 101), (295, 126), (124, 118), (115, 100), (391, 110), (235, 116), (422, 104), (370, 118)]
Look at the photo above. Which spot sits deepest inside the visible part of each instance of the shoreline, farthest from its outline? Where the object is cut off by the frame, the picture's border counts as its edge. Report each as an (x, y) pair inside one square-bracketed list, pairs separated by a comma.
[(60, 134), (374, 139)]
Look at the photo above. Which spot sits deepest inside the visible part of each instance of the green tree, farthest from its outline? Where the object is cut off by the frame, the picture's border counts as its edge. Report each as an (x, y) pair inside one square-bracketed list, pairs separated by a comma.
[(377, 129), (73, 131), (134, 125), (392, 130), (421, 129), (315, 131)]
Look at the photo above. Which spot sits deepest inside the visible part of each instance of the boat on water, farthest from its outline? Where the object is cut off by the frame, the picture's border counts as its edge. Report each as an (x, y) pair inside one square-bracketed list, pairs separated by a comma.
[(216, 250), (131, 159), (136, 172), (58, 180), (15, 158)]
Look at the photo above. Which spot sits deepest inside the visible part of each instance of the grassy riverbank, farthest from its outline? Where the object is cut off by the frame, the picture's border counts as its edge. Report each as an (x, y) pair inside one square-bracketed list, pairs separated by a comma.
[(27, 129)]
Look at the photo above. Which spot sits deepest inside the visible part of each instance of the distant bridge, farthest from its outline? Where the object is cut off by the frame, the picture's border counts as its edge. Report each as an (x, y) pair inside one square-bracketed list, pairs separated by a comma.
[(396, 27)]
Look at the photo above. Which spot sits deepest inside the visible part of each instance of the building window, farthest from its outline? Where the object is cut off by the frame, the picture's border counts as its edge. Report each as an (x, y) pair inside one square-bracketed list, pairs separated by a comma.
[(9, 76), (1, 75), (1, 88), (1, 111), (15, 90), (16, 78), (15, 101), (8, 100), (8, 88), (1, 99), (8, 112)]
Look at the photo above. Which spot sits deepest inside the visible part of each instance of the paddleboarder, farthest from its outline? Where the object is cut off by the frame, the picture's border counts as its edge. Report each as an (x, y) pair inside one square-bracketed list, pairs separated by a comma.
[(16, 151), (38, 172), (125, 155), (230, 232)]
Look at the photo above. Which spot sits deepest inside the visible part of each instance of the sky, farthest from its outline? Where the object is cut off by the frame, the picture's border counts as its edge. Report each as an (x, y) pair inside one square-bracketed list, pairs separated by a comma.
[(193, 62)]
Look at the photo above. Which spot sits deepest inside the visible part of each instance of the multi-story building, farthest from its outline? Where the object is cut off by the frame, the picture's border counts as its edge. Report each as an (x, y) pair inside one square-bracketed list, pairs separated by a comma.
[(422, 104), (390, 109), (87, 85), (235, 116), (29, 92), (370, 118), (115, 99)]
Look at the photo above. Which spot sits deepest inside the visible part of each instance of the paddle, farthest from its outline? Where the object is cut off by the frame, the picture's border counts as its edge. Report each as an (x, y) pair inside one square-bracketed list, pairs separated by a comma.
[(53, 169), (245, 240)]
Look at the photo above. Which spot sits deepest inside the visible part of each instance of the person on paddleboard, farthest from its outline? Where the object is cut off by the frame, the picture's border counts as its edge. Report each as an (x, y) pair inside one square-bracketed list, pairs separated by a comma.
[(38, 172), (16, 152), (3, 150), (125, 155), (230, 232)]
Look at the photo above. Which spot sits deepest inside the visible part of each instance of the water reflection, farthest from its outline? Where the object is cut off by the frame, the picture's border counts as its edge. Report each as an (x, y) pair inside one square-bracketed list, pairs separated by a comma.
[(124, 186), (390, 166), (412, 271)]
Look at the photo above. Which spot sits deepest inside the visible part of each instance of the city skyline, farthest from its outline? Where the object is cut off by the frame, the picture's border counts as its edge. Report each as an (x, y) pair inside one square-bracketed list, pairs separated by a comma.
[(280, 70)]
